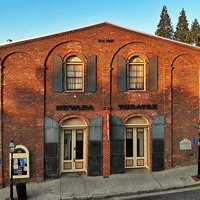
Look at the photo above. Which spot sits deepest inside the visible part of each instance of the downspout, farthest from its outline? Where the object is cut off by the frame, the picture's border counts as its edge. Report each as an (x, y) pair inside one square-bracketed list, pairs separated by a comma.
[(44, 110), (111, 69), (111, 89), (172, 111), (172, 118), (2, 123), (45, 69)]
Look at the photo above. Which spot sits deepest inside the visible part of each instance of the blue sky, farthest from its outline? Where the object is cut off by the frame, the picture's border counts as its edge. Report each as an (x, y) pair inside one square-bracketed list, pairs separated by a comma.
[(23, 19)]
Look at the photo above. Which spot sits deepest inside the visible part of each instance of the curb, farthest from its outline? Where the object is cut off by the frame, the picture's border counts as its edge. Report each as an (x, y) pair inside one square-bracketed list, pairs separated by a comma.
[(126, 194)]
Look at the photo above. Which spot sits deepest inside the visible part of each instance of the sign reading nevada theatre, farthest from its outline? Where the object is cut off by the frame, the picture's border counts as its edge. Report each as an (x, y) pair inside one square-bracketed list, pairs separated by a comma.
[(75, 107), (99, 100)]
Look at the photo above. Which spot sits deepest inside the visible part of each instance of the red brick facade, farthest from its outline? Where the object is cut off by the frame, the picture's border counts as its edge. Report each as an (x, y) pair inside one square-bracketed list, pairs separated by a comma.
[(28, 96)]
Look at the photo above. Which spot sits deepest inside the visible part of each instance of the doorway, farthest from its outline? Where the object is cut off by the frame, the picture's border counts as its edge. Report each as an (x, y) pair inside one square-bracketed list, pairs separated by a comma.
[(73, 148), (136, 143)]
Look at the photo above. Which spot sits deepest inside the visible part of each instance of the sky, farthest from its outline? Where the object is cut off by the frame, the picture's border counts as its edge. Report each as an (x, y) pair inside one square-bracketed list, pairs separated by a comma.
[(24, 19)]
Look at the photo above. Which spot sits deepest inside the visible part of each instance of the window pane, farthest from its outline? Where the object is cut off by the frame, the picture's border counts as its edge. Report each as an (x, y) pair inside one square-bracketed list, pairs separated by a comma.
[(79, 144), (74, 74), (68, 145), (139, 71), (136, 76), (136, 59), (129, 142), (140, 142)]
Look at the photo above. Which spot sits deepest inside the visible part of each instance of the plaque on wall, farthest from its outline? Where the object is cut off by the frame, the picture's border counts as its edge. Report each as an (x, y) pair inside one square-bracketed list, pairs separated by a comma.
[(185, 144)]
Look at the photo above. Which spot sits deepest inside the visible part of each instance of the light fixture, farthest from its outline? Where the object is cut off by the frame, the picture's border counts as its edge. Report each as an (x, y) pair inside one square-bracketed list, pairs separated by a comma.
[(11, 148)]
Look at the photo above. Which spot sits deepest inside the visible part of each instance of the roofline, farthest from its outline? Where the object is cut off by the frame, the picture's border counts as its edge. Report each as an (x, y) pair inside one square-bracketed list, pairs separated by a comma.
[(95, 24), (156, 36), (52, 34)]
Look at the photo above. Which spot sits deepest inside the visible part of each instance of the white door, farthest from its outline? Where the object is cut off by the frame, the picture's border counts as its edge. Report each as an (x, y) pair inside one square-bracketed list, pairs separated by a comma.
[(72, 150), (136, 147)]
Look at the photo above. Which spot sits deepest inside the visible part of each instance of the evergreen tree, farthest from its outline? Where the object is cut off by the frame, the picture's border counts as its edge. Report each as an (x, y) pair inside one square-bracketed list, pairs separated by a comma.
[(182, 27), (165, 28), (194, 32), (189, 38)]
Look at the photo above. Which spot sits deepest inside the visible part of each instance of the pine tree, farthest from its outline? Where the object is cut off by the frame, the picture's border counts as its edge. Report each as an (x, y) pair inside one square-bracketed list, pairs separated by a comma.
[(182, 27), (194, 32), (189, 38), (165, 28)]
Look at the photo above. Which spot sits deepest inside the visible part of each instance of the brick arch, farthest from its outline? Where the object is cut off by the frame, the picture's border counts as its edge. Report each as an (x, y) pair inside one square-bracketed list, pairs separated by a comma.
[(22, 93), (184, 75), (21, 54), (77, 54), (177, 57), (21, 63), (144, 50), (68, 48), (120, 49), (21, 86), (54, 48), (184, 102), (184, 65), (21, 70), (141, 55), (61, 49)]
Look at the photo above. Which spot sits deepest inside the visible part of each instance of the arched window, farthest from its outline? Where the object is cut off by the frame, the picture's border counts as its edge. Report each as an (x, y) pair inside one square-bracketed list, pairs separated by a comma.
[(136, 73), (74, 74)]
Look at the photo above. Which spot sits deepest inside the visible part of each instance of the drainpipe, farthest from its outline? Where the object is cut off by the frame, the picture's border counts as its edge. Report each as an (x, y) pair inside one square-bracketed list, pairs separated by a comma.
[(2, 123), (111, 69), (44, 114), (172, 118)]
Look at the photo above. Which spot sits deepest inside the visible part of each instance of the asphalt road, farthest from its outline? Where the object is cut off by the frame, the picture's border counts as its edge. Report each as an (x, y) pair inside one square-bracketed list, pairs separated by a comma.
[(192, 193)]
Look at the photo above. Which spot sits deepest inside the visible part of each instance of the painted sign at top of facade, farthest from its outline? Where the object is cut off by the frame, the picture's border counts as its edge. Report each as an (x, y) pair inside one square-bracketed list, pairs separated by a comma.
[(99, 99)]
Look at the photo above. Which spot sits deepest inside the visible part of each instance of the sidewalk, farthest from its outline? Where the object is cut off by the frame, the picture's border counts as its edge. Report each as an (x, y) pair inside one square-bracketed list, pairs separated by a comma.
[(135, 181)]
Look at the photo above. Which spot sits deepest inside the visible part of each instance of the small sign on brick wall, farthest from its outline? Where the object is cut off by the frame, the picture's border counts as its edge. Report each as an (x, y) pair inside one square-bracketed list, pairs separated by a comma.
[(185, 144)]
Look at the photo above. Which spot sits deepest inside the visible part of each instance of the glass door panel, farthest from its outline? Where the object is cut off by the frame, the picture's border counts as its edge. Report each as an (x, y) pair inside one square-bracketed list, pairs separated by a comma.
[(129, 142), (140, 142), (68, 145), (72, 158), (79, 144), (135, 147)]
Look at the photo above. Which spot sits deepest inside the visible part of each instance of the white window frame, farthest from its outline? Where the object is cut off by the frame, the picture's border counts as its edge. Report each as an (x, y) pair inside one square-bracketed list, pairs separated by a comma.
[(144, 75), (75, 61)]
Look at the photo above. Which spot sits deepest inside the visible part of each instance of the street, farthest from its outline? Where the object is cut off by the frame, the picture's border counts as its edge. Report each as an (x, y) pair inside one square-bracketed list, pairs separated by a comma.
[(192, 193)]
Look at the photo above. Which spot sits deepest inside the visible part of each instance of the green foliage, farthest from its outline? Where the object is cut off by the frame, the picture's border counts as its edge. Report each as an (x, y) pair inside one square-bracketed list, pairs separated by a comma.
[(182, 33), (182, 27), (165, 28), (189, 38), (194, 32)]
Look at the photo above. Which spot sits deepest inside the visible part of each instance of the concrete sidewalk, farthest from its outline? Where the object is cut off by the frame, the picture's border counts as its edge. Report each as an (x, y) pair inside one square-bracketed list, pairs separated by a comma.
[(135, 181)]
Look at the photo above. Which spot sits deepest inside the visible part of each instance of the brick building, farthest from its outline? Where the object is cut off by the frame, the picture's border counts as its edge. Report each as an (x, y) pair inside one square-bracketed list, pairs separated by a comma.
[(99, 99)]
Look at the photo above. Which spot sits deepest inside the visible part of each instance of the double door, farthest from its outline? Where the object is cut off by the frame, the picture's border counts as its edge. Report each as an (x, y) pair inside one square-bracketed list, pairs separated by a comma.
[(136, 147), (72, 150)]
